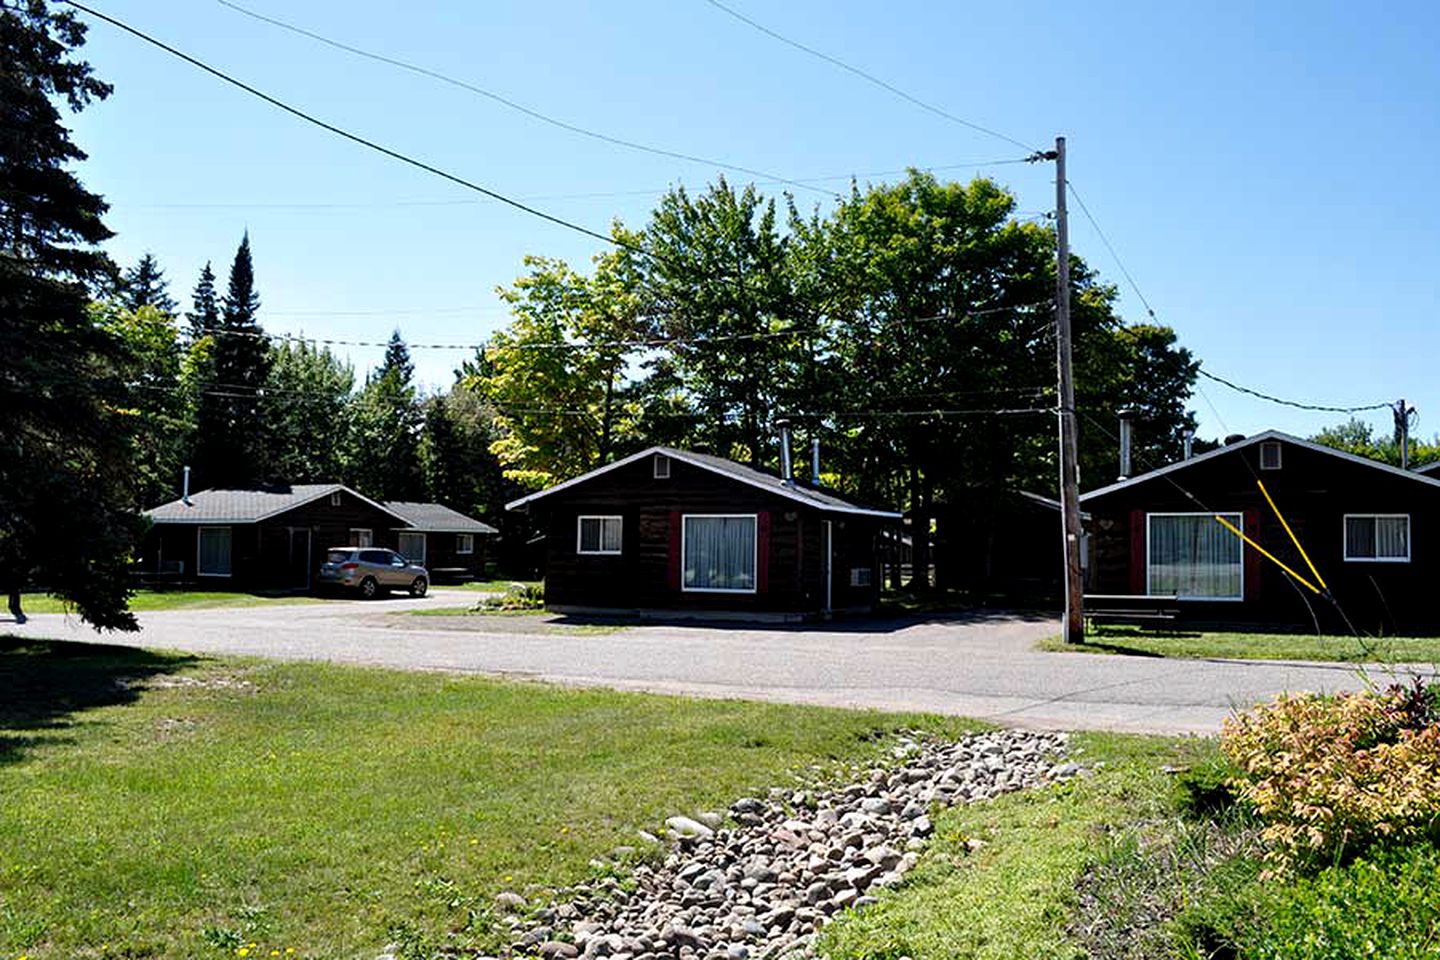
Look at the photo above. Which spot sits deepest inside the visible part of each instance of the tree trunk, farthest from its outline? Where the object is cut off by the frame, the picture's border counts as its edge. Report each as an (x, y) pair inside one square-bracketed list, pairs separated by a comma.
[(919, 534)]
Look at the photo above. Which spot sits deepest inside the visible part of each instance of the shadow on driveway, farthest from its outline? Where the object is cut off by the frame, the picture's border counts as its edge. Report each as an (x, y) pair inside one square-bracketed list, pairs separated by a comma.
[(858, 624), (45, 685)]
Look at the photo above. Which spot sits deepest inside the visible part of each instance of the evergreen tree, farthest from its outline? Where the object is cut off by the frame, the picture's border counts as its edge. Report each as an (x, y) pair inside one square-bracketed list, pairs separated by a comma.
[(204, 316), (306, 412), (230, 440), (66, 517), (384, 451), (144, 285)]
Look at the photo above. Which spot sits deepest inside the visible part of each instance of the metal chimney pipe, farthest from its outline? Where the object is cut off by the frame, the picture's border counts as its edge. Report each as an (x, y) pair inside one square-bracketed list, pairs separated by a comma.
[(1127, 431), (787, 473), (185, 488), (1188, 436), (815, 461)]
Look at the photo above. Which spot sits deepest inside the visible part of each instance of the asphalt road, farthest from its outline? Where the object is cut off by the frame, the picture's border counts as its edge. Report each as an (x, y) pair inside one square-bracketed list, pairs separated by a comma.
[(983, 666)]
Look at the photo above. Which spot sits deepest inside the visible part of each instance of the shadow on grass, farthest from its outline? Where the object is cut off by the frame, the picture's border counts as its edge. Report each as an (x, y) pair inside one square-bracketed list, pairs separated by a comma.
[(45, 684)]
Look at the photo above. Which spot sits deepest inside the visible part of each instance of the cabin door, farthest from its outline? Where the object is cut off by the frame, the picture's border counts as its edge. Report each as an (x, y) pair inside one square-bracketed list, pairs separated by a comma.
[(299, 567), (828, 552)]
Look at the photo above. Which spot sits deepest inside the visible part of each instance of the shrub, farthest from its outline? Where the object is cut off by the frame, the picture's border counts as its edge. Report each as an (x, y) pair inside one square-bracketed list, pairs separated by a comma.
[(520, 596), (1328, 776), (1386, 904)]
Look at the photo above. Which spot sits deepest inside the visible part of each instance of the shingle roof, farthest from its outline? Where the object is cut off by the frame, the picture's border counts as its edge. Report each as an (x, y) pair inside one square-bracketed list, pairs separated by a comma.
[(249, 505), (736, 471), (434, 518)]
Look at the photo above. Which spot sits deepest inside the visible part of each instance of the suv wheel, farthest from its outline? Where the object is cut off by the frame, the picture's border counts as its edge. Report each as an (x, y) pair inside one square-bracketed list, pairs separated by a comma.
[(418, 586), (369, 588)]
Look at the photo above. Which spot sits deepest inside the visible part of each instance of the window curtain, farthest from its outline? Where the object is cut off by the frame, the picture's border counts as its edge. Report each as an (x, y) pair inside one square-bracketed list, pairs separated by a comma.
[(720, 553), (1192, 555), (1377, 538), (600, 534)]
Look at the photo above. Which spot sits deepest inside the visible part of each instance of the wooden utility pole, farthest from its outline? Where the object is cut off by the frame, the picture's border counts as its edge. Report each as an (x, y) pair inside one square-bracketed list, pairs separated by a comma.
[(1402, 431), (1069, 447)]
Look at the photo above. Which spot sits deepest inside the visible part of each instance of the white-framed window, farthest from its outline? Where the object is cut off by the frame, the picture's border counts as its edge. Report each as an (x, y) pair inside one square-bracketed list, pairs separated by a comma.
[(1377, 537), (335, 499), (362, 537), (599, 535), (1194, 557), (720, 553), (860, 576), (662, 467), (212, 551), (464, 543), (410, 544), (1270, 455)]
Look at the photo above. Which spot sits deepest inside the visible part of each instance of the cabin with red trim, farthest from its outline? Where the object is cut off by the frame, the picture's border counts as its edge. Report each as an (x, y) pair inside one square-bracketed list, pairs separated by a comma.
[(669, 532), (1361, 553)]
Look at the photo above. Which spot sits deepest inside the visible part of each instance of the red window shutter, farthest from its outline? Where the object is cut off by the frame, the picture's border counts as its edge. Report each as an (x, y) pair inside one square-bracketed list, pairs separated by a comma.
[(675, 559), (1253, 561), (1139, 561), (762, 552)]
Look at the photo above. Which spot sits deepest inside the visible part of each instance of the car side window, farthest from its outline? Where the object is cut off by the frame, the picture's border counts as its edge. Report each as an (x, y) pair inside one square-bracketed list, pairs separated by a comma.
[(397, 561), (374, 556)]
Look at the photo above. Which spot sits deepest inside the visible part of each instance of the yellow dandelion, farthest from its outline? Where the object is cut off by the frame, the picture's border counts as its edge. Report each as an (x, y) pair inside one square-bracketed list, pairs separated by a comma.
[(473, 841), (274, 953), (289, 949), (243, 952), (508, 878)]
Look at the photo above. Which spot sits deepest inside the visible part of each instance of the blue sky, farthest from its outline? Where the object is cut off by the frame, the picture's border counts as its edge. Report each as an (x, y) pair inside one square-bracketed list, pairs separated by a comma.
[(1264, 170)]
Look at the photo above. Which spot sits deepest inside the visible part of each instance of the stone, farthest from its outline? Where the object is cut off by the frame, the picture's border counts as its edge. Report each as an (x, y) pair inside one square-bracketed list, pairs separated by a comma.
[(509, 900), (876, 805), (748, 805), (922, 827), (686, 827), (710, 818), (558, 950), (817, 891)]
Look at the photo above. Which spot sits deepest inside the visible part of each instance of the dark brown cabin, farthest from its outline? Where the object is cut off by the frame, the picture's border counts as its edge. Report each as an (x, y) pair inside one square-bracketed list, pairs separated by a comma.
[(268, 538), (667, 531), (1371, 530), (446, 542)]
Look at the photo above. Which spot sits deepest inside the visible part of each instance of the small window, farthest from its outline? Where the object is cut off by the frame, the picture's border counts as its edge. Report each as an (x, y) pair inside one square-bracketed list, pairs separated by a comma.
[(599, 535), (720, 554), (411, 546), (860, 576), (360, 537), (1377, 537), (662, 467), (213, 559), (1269, 456), (464, 543), (335, 499)]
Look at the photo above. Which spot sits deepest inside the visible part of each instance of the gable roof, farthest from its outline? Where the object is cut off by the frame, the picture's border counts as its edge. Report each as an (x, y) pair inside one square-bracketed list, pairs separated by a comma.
[(1251, 441), (434, 518), (251, 505), (726, 468), (1427, 469)]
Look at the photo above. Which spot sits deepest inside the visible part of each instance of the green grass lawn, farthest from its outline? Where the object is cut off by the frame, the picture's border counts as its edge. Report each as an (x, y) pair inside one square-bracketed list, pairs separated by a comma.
[(1133, 641), (164, 806), (1000, 879), (489, 586), (175, 600)]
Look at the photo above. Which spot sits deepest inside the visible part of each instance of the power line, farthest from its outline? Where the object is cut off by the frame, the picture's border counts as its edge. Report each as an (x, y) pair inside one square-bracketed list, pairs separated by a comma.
[(355, 138), (513, 105), (1108, 246), (937, 168), (869, 77), (1300, 405)]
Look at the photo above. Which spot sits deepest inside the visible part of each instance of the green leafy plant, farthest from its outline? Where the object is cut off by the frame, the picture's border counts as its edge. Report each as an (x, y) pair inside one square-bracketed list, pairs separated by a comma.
[(1329, 776), (520, 596)]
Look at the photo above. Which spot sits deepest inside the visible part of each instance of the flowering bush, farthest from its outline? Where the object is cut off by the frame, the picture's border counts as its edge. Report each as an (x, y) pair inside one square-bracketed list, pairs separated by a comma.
[(1329, 775)]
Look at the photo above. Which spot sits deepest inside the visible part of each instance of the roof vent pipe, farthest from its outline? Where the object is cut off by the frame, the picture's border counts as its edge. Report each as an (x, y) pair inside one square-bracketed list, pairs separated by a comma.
[(185, 488), (787, 472), (1188, 438), (815, 462), (1127, 431)]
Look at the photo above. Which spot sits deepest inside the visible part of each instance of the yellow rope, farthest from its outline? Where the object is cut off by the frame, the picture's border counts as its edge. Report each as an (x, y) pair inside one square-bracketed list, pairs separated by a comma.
[(1266, 553), (1293, 539)]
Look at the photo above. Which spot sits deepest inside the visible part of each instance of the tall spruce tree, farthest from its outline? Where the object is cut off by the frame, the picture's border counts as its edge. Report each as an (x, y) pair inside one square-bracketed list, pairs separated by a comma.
[(204, 315), (144, 285), (384, 453), (66, 517), (230, 435)]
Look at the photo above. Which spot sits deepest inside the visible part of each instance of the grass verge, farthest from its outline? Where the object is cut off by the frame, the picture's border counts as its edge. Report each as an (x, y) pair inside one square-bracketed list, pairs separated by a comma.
[(1001, 878), (1192, 644), (492, 586), (166, 806), (144, 600)]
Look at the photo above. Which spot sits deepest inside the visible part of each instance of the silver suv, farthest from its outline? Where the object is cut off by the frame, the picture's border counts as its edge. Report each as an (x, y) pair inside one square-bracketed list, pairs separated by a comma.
[(372, 571)]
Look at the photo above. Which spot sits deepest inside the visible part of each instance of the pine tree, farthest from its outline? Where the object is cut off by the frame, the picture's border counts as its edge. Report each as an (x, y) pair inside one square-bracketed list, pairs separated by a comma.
[(384, 454), (204, 316), (66, 445), (144, 285), (230, 436)]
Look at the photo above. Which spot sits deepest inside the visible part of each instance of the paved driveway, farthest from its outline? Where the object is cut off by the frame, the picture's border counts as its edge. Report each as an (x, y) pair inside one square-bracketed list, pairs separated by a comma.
[(983, 666)]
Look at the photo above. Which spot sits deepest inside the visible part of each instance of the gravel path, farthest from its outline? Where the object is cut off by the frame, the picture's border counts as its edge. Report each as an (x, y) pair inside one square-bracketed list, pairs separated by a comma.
[(982, 666)]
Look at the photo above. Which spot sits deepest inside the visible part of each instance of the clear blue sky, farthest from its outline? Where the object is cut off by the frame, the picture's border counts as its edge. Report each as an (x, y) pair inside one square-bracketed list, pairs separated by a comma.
[(1266, 171)]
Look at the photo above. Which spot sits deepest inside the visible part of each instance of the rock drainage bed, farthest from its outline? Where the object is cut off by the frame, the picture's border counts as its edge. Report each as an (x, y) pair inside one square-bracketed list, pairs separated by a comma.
[(762, 886)]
